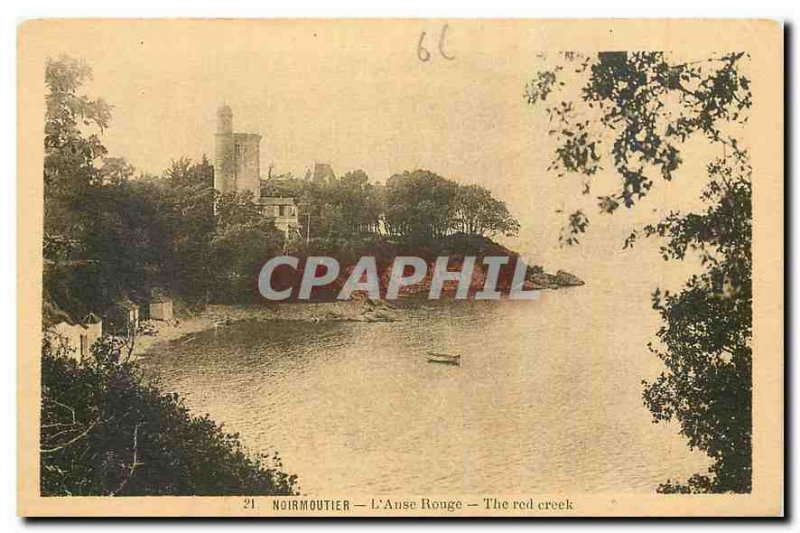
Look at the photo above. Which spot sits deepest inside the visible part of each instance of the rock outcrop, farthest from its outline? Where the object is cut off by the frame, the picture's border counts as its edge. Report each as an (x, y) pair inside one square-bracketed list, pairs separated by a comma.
[(539, 279), (565, 279), (456, 248)]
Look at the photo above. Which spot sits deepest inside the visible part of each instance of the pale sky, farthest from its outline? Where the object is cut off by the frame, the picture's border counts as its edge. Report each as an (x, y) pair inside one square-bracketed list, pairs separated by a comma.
[(355, 95)]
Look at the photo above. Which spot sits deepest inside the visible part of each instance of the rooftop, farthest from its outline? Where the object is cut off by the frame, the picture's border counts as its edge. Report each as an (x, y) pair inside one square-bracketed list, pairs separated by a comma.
[(276, 200)]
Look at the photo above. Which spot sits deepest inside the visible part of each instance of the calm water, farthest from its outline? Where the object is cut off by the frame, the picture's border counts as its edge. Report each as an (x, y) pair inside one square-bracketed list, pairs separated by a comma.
[(547, 399)]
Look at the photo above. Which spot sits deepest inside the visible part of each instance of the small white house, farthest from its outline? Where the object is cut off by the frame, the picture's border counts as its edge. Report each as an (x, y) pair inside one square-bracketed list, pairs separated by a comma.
[(76, 338), (283, 210), (122, 318), (94, 328), (161, 309)]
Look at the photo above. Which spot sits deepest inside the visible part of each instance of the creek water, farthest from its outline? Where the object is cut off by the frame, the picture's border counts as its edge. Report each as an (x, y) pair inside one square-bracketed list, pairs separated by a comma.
[(547, 397)]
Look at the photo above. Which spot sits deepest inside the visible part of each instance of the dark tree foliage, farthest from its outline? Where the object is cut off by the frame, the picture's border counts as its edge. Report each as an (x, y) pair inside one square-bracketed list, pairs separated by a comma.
[(240, 243), (334, 211), (70, 158), (183, 228), (415, 207), (110, 234), (650, 107), (422, 206), (106, 433)]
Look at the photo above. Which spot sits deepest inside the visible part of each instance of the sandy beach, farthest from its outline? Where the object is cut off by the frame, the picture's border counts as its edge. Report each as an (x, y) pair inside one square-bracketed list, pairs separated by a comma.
[(223, 315)]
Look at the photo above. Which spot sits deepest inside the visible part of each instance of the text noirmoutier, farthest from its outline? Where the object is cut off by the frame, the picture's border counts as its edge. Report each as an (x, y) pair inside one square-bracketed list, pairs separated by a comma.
[(320, 271)]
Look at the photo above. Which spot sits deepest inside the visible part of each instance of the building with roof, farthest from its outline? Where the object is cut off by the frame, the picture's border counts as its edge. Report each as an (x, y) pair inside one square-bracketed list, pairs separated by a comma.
[(73, 338), (160, 308), (237, 158), (122, 318), (323, 172), (283, 210), (237, 168)]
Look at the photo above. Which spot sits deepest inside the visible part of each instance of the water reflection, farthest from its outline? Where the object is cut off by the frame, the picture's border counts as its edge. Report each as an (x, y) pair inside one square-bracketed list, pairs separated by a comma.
[(547, 399)]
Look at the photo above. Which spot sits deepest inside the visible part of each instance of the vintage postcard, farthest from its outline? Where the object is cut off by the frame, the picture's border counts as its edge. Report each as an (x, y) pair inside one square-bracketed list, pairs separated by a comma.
[(400, 268)]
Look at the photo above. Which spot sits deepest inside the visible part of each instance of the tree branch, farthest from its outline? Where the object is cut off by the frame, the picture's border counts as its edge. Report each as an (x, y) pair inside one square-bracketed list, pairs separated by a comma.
[(134, 463), (71, 441)]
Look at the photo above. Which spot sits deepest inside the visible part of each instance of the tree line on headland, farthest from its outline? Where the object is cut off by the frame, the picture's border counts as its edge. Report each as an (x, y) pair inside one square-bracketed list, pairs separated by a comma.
[(415, 207), (110, 233)]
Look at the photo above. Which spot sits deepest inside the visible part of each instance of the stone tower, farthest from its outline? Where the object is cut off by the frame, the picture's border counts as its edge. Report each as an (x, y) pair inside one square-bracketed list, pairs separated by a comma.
[(237, 161)]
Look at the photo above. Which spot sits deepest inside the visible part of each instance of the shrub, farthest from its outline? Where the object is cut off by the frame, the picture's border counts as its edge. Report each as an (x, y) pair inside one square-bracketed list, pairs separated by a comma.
[(104, 432)]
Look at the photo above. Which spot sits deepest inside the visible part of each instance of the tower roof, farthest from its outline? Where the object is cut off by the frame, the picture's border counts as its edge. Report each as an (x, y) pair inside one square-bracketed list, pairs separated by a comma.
[(225, 110)]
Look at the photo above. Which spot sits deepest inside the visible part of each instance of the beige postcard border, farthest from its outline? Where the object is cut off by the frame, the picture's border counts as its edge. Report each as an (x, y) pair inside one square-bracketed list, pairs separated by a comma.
[(763, 39)]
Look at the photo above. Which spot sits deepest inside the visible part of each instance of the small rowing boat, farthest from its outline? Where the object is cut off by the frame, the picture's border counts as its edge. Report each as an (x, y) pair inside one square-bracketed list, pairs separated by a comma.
[(435, 357)]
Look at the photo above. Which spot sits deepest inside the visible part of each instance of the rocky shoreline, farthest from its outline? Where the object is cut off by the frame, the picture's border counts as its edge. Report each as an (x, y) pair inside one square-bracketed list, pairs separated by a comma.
[(216, 316), (561, 279), (355, 310)]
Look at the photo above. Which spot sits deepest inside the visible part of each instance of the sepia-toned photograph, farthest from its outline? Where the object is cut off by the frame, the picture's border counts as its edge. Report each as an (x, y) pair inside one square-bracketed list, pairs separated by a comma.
[(406, 268)]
